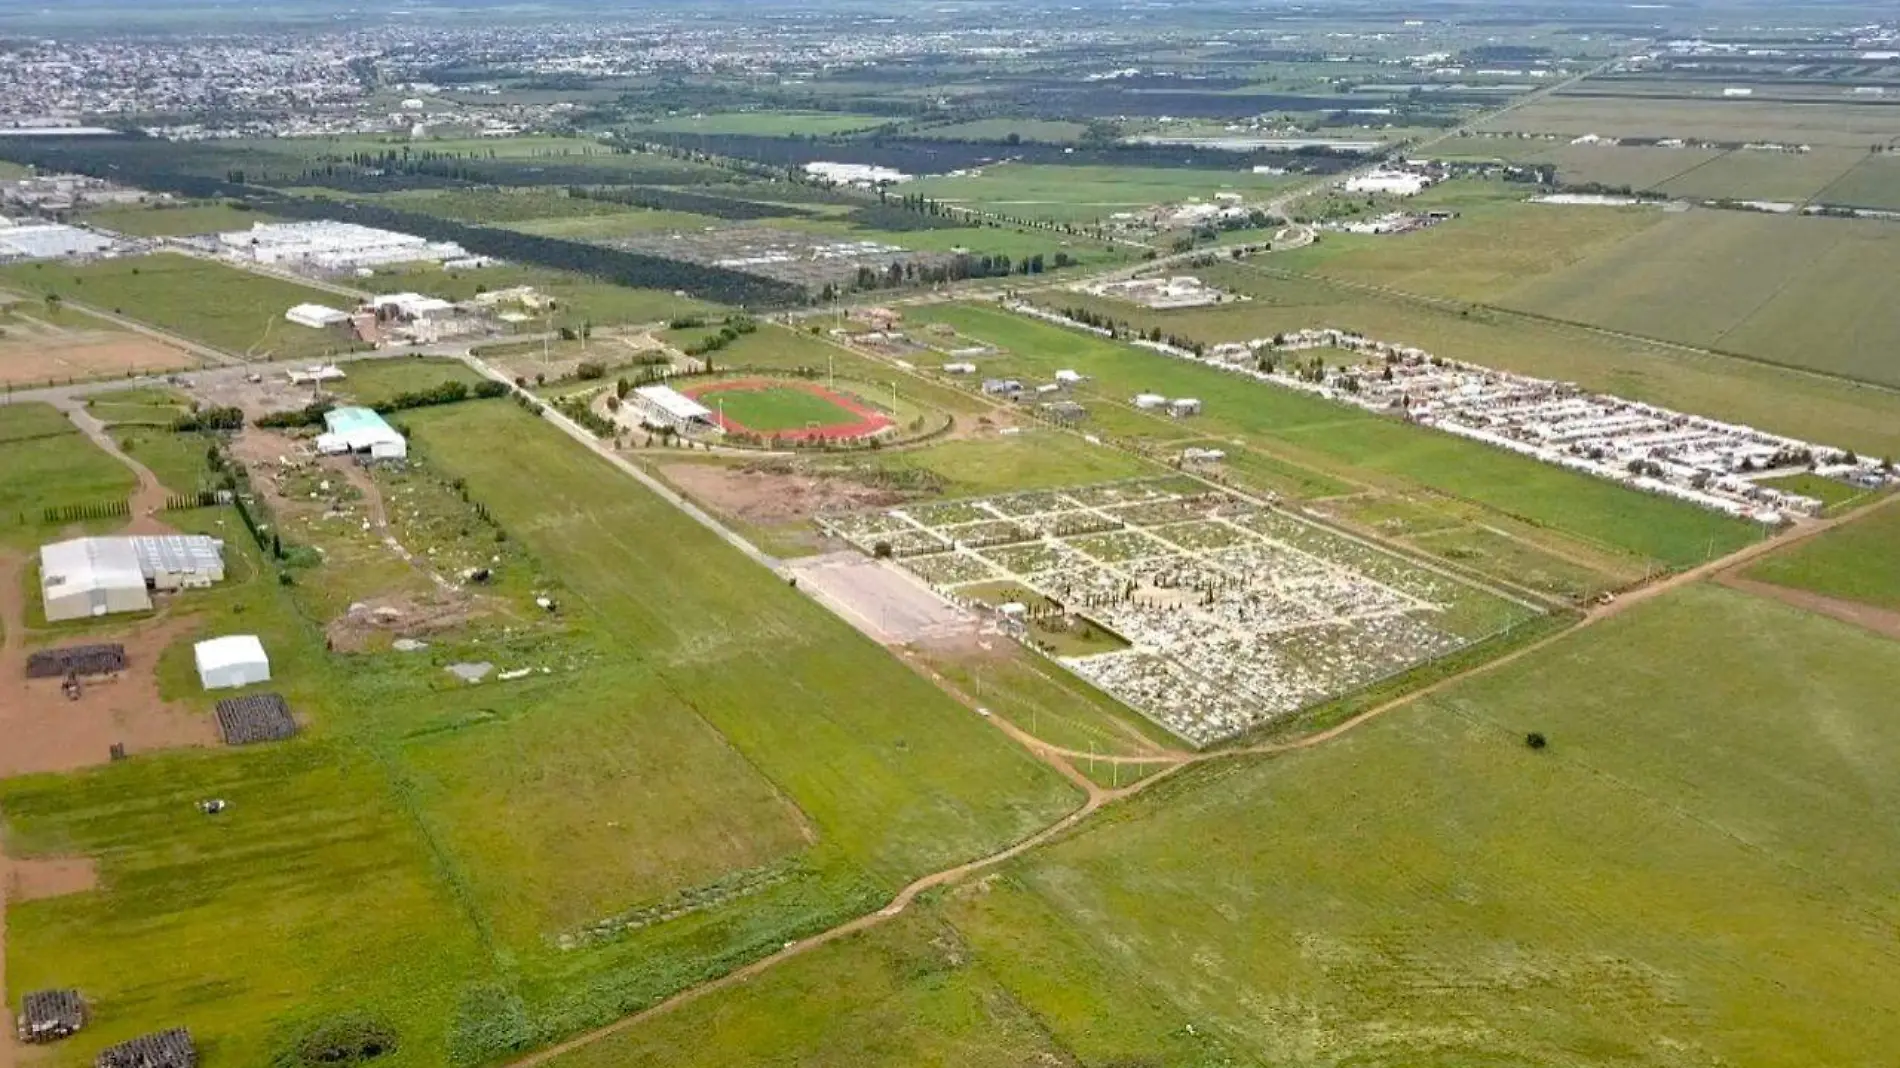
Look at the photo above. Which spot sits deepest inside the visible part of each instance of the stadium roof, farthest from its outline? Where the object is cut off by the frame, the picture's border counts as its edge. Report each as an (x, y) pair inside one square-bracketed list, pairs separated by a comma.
[(673, 402)]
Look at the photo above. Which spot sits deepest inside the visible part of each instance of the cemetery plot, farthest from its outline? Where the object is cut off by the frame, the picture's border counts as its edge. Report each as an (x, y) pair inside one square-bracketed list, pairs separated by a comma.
[(258, 718), (1235, 615)]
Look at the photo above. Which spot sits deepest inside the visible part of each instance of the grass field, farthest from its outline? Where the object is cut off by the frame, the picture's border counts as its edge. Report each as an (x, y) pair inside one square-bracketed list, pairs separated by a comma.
[(1774, 176), (772, 409), (1856, 562), (371, 382), (48, 463), (1833, 494), (500, 207), (1801, 405), (1875, 183), (1033, 459), (763, 123), (226, 308), (173, 220), (1468, 258), (578, 298), (1802, 291), (1050, 130), (1833, 125), (1272, 418), (1083, 194), (1659, 887)]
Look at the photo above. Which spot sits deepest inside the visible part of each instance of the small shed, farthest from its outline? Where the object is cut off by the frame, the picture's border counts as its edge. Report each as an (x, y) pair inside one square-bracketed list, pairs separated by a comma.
[(1185, 406), (232, 661), (1148, 402)]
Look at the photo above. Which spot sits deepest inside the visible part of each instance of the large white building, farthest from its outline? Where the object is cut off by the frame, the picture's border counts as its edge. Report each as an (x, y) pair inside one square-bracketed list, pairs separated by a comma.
[(88, 577), (664, 406), (334, 245), (50, 241), (360, 430), (1389, 183), (317, 316)]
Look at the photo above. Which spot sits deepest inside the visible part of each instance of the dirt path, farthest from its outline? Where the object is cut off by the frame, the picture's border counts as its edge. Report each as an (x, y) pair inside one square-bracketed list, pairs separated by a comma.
[(7, 1059), (148, 501)]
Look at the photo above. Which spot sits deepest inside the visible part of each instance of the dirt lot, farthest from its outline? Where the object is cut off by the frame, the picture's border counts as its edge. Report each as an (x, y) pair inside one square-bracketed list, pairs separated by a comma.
[(58, 358), (31, 880), (883, 602), (771, 492)]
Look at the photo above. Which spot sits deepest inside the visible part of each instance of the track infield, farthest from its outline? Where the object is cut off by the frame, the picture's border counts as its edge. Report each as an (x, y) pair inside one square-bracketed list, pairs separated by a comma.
[(776, 408)]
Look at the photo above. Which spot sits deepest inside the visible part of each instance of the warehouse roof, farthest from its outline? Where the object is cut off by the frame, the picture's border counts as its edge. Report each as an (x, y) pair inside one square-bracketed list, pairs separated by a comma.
[(178, 552), (91, 564), (673, 402)]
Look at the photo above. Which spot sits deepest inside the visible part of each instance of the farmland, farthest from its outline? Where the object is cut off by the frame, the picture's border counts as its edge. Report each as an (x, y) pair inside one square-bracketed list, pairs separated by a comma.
[(1858, 562), (209, 303), (173, 220), (1675, 534), (1797, 291), (1448, 878), (1736, 121), (49, 464), (1083, 194)]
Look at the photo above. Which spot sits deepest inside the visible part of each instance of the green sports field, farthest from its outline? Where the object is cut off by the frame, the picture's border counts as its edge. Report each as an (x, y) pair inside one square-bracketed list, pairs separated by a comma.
[(769, 409)]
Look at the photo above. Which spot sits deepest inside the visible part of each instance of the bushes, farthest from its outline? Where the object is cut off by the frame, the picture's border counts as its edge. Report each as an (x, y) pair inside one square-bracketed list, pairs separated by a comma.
[(344, 1040), (490, 1022), (227, 418), (446, 393)]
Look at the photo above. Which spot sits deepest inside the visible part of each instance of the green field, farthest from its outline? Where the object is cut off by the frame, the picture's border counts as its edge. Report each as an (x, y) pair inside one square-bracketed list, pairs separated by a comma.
[(173, 220), (770, 409), (1274, 419), (1033, 459), (1691, 874), (1856, 562), (372, 382), (1834, 125), (1498, 243), (1833, 494), (641, 773), (1051, 130), (764, 123), (229, 309), (49, 464), (1875, 183), (1774, 176), (1802, 291), (1083, 194)]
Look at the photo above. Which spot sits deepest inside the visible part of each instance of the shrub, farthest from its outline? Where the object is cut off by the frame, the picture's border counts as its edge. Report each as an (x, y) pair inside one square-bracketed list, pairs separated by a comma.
[(589, 370), (344, 1040), (489, 1023)]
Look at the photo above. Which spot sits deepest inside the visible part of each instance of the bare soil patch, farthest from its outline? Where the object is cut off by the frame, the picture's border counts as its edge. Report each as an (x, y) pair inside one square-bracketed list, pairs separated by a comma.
[(373, 624), (45, 730), (32, 880), (60, 357), (769, 492), (1879, 620), (883, 602)]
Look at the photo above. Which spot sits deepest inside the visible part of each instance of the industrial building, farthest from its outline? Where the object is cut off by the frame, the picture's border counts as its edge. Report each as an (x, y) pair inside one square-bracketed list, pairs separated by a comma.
[(88, 577), (317, 316), (1393, 183), (334, 246), (360, 430), (664, 406), (230, 662), (50, 241)]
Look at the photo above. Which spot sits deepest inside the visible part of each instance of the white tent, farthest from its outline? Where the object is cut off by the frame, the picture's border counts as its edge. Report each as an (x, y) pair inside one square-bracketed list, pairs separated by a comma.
[(232, 661), (88, 577)]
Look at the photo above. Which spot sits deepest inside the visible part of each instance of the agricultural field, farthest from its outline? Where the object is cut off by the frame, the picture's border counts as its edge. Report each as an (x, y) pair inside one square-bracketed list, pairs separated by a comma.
[(1276, 421), (1002, 129), (766, 123), (1771, 176), (1086, 194), (1874, 183), (1801, 291), (1586, 883), (1830, 125), (1858, 562), (232, 310), (173, 220), (1791, 402), (1471, 258), (46, 342)]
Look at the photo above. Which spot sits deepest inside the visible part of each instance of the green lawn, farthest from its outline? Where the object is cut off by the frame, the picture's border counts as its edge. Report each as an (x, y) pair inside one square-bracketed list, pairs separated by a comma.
[(1034, 459), (233, 310), (48, 464), (173, 220), (1833, 494), (1271, 418), (372, 382), (1856, 562), (771, 409)]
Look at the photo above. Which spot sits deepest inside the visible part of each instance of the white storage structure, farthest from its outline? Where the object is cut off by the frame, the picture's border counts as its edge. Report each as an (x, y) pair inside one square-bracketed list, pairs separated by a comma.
[(232, 661), (360, 430), (88, 577)]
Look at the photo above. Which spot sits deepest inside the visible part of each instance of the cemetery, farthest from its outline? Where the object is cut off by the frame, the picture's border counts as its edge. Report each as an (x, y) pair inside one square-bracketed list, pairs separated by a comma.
[(1235, 615)]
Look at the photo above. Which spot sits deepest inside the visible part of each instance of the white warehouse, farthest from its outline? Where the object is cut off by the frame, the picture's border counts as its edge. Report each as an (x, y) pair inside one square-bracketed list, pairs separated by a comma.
[(88, 577), (334, 245)]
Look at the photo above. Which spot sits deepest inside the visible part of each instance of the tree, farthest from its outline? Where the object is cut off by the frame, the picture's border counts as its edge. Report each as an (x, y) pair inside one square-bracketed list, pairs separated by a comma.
[(882, 550), (1536, 740)]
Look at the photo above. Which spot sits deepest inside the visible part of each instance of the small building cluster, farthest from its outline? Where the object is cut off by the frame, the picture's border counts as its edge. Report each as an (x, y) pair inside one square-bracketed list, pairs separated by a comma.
[(1162, 294), (88, 577), (51, 194), (1392, 222), (338, 246), (1179, 407), (411, 318), (1706, 462), (1390, 182)]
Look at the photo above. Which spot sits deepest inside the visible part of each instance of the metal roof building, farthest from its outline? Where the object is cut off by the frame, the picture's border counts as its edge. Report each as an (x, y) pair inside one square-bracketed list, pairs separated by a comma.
[(360, 430), (88, 577)]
